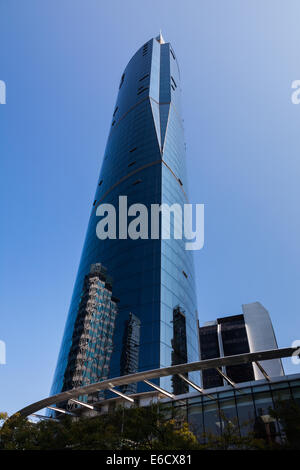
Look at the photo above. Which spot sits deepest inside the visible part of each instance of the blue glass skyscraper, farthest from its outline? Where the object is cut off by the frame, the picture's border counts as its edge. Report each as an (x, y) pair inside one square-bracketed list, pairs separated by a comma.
[(152, 279)]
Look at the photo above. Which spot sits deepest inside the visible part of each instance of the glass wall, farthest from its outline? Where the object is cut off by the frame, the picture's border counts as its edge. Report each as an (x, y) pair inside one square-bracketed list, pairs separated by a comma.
[(247, 408), (144, 160)]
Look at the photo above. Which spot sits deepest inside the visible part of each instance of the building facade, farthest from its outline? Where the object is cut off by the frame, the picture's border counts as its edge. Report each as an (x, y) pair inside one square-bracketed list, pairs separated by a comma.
[(251, 331), (261, 335), (246, 407), (144, 160)]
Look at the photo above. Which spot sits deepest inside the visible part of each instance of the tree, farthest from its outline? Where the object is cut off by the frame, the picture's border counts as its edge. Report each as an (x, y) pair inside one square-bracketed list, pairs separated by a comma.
[(17, 433), (134, 428)]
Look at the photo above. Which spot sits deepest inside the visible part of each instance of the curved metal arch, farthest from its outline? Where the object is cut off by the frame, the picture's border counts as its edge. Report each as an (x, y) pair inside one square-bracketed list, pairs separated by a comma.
[(157, 373)]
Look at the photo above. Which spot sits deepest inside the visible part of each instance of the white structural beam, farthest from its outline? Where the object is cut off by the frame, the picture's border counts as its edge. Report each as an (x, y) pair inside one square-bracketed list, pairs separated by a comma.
[(78, 402), (196, 387), (225, 377), (126, 397), (264, 373), (159, 389), (60, 410)]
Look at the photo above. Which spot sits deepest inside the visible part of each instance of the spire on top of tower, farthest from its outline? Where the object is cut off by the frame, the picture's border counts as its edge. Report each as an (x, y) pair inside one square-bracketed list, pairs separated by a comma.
[(160, 38)]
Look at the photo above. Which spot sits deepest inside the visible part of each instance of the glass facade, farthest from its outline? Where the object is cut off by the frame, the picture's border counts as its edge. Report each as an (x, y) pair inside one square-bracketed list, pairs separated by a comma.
[(210, 349), (247, 407), (144, 160), (92, 340), (179, 346), (235, 341), (225, 337), (131, 351)]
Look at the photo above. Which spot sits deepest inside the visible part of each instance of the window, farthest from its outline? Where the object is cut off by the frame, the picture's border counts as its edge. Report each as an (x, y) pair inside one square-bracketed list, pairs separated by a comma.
[(114, 122), (173, 55), (145, 76), (145, 49), (132, 150), (136, 182), (180, 182), (115, 111), (131, 163), (141, 91), (100, 182), (172, 87), (174, 83), (185, 274), (122, 80), (94, 202)]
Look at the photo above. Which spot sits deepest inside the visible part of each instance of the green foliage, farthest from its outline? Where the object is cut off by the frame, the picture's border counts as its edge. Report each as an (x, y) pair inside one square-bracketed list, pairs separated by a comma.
[(134, 428), (17, 433)]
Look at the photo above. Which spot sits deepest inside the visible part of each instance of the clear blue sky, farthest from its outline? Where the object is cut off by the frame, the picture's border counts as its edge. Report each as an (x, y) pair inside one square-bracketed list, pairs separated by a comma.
[(62, 61)]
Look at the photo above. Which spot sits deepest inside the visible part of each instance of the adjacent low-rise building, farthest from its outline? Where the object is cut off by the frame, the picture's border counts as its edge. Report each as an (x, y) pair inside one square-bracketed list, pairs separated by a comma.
[(251, 331)]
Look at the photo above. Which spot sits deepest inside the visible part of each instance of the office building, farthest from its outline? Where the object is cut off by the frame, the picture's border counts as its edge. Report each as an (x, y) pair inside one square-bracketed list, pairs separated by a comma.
[(251, 331), (145, 161)]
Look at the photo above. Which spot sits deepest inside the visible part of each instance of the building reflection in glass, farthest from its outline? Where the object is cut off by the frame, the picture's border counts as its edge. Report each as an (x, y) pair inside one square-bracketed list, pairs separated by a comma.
[(92, 340), (179, 351), (131, 350), (246, 408)]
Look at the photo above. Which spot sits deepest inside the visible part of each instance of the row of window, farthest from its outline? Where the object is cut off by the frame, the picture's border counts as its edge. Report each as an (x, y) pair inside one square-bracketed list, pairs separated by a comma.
[(145, 49), (129, 165), (142, 90), (106, 157), (122, 80), (174, 83), (143, 78), (136, 182)]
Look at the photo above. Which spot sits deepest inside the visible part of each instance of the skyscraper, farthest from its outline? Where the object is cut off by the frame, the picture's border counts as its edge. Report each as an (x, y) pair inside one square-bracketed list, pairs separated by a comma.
[(144, 160)]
